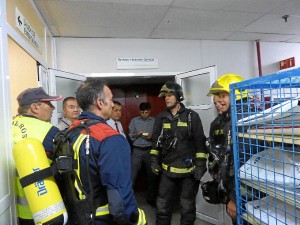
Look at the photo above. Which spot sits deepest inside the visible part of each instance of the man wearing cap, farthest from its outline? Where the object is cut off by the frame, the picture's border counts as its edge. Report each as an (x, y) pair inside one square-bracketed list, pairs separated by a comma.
[(34, 113)]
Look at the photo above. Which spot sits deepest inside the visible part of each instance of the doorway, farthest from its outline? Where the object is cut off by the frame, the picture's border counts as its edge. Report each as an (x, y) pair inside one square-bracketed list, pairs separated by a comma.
[(130, 93)]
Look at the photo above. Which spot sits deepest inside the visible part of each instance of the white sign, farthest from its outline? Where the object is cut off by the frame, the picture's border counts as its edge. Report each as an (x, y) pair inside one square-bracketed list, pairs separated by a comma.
[(23, 25), (137, 63)]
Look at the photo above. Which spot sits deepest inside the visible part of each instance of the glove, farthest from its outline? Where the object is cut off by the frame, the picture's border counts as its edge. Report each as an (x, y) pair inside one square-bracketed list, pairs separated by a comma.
[(156, 168), (199, 171)]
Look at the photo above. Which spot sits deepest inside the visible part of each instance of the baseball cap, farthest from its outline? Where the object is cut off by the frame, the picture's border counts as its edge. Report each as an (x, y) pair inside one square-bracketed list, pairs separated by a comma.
[(32, 95)]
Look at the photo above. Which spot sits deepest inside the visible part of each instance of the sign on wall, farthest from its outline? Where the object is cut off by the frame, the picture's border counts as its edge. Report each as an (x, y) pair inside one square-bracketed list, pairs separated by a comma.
[(23, 25), (137, 63), (287, 63)]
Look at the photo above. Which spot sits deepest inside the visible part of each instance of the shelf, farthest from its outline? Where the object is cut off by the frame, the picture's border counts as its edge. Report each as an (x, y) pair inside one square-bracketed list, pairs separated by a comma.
[(250, 219), (270, 137), (288, 195)]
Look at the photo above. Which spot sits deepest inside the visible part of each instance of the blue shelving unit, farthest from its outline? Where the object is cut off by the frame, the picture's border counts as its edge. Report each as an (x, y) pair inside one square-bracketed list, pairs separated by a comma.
[(266, 143)]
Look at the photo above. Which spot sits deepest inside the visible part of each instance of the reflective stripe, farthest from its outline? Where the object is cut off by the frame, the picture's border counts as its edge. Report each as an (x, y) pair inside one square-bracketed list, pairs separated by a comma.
[(182, 124), (142, 218), (177, 170), (201, 155), (22, 201), (102, 210), (76, 148), (23, 210), (154, 152), (167, 126)]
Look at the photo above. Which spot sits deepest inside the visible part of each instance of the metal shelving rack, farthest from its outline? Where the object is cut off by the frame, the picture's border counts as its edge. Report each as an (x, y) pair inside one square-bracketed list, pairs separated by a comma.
[(266, 143)]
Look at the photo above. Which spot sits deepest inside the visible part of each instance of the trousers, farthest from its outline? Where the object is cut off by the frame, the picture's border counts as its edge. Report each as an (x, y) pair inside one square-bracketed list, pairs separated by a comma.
[(187, 188), (141, 157)]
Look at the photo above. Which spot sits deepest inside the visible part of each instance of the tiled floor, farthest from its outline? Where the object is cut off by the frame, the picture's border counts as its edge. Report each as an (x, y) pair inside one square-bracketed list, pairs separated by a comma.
[(150, 212)]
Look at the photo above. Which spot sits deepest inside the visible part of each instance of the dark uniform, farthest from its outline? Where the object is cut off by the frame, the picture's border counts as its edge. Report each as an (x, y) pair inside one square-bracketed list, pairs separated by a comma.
[(108, 174), (220, 160), (179, 148)]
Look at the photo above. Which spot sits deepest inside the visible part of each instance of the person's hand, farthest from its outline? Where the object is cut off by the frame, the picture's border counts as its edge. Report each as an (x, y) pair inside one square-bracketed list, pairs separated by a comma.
[(156, 168), (199, 171), (231, 209), (139, 133)]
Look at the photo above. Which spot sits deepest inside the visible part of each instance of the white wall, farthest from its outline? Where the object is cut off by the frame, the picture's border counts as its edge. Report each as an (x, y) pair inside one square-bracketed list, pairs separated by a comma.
[(99, 55), (84, 56), (272, 53)]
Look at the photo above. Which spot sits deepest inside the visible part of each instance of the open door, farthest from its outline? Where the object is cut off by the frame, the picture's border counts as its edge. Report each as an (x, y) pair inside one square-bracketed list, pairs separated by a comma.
[(195, 85), (62, 83)]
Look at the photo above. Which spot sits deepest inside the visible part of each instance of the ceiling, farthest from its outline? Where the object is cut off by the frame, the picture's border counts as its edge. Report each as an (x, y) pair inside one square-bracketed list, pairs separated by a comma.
[(235, 20)]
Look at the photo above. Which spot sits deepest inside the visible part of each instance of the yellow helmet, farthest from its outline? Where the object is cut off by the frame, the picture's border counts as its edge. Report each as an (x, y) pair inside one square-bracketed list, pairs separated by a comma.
[(223, 82)]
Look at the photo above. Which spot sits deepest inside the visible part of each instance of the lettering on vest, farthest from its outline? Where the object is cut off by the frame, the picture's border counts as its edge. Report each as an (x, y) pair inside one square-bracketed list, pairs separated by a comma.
[(21, 127), (40, 185)]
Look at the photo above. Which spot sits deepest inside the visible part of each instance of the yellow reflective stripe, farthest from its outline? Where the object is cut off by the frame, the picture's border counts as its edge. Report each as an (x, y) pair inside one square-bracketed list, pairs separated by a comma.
[(201, 155), (182, 124), (154, 152), (102, 210), (142, 218), (177, 170), (164, 166), (76, 148), (167, 126)]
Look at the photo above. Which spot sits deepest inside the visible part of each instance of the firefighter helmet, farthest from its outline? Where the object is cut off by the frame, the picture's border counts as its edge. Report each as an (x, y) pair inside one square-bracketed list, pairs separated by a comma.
[(212, 193), (223, 82), (173, 88)]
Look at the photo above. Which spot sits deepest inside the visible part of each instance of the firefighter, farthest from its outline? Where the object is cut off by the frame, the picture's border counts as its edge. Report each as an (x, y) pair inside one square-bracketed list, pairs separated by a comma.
[(104, 167), (220, 160), (35, 111), (179, 154)]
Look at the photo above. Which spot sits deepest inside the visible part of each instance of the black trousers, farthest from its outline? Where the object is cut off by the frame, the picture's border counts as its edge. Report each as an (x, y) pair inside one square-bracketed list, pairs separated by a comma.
[(187, 188), (141, 157)]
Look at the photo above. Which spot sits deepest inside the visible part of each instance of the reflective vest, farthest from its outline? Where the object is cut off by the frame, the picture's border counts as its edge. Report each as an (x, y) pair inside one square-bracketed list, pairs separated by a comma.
[(24, 127)]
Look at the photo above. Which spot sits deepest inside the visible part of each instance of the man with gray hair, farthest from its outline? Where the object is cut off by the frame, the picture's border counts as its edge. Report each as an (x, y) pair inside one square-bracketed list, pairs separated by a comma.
[(105, 172)]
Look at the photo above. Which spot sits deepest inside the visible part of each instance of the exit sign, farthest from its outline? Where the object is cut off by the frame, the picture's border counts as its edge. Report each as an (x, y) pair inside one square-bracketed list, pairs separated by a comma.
[(287, 63)]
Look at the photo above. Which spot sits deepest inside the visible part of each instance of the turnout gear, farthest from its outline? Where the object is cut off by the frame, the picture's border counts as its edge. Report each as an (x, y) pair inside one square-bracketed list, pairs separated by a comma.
[(42, 194), (92, 194), (178, 149), (220, 160), (173, 88), (200, 169), (222, 84)]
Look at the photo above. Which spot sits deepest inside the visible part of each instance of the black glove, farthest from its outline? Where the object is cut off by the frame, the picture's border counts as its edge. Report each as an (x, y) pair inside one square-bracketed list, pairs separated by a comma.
[(199, 172), (156, 168)]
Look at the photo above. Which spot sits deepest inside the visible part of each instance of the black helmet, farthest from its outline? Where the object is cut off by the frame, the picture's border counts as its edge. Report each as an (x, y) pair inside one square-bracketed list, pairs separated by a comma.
[(212, 193), (173, 88)]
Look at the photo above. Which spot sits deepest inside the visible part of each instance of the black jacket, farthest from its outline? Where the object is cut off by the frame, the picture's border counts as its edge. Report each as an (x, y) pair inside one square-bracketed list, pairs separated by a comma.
[(178, 141)]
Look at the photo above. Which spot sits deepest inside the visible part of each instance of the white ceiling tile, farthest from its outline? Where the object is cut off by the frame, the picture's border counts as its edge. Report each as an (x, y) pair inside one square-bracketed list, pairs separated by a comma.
[(259, 6), (180, 19), (275, 24), (185, 33), (216, 20), (244, 36)]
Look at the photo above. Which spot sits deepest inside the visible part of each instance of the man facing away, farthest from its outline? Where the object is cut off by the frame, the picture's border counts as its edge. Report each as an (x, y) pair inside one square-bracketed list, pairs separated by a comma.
[(115, 117), (105, 173), (140, 133), (71, 112), (179, 154), (35, 111)]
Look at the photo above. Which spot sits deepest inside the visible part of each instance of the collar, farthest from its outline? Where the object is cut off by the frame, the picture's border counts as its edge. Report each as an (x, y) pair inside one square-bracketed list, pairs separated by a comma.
[(89, 115)]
